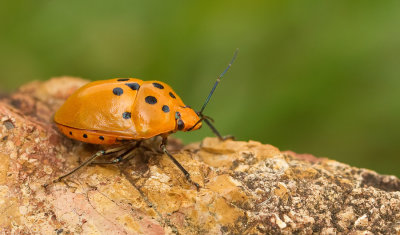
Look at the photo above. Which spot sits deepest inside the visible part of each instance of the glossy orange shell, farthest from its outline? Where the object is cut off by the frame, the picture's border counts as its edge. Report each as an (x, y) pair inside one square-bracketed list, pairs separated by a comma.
[(103, 112)]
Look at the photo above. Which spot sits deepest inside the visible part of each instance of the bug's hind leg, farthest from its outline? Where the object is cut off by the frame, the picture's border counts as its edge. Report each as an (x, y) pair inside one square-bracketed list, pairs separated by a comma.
[(87, 162), (125, 156), (163, 146), (216, 132)]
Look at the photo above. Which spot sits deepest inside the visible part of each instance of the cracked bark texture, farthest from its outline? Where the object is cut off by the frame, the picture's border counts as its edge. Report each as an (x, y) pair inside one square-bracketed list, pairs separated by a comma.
[(247, 187)]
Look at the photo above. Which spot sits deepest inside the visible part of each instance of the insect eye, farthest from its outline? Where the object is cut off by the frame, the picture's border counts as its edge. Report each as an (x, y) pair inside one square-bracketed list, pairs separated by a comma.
[(177, 115)]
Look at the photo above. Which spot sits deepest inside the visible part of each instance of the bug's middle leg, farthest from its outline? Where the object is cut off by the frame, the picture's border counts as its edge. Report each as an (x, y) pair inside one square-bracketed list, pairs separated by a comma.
[(163, 147), (127, 155)]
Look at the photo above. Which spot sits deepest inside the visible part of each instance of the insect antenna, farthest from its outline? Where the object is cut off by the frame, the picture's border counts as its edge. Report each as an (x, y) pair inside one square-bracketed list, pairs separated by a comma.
[(200, 113)]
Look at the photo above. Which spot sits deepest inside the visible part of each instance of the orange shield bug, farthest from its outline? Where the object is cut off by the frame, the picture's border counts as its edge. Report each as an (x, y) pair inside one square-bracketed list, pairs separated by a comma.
[(130, 110)]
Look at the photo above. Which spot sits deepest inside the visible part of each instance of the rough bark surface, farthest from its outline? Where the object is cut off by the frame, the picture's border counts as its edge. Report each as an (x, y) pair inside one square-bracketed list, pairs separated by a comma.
[(246, 187)]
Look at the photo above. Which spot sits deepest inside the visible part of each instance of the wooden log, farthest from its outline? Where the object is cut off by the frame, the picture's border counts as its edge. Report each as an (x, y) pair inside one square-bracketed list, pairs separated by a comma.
[(246, 187)]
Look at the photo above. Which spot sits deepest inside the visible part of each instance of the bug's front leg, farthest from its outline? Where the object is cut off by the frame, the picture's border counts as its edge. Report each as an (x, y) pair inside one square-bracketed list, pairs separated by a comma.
[(216, 132), (163, 147)]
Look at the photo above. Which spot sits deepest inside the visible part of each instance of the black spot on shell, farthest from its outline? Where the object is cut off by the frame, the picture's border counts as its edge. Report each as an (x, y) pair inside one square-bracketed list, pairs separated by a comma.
[(165, 108), (181, 124), (101, 137), (84, 136), (158, 85), (123, 79), (126, 115), (70, 132), (118, 91), (150, 99), (133, 85), (172, 95)]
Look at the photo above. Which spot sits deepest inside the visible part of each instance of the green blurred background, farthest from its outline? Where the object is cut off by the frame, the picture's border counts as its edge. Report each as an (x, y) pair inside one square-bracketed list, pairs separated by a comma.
[(320, 77)]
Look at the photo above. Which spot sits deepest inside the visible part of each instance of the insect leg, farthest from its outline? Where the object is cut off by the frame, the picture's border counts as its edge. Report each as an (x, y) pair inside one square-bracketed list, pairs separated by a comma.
[(122, 157), (216, 132), (163, 146), (87, 162)]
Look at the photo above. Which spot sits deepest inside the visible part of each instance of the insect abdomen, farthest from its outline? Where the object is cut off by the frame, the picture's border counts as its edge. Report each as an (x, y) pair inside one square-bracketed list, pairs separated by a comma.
[(93, 137)]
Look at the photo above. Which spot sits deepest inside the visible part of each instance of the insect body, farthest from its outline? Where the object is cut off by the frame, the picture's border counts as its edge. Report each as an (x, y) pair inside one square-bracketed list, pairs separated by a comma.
[(104, 112), (128, 110)]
